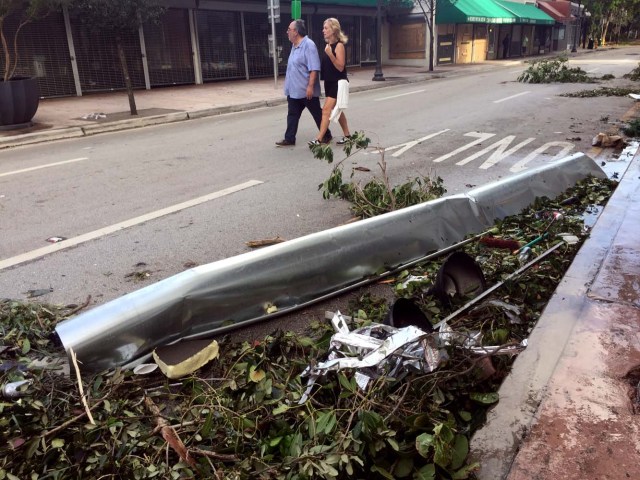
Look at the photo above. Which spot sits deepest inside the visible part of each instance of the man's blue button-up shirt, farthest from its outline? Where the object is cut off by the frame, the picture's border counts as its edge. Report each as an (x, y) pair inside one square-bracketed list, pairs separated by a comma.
[(303, 59)]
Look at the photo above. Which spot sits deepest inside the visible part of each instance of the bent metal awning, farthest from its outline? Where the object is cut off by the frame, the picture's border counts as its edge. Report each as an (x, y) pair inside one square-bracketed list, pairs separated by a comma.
[(526, 13), (560, 10), (472, 11)]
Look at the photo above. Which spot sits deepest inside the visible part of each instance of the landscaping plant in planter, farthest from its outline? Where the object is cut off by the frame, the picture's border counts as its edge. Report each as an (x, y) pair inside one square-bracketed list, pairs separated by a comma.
[(19, 94)]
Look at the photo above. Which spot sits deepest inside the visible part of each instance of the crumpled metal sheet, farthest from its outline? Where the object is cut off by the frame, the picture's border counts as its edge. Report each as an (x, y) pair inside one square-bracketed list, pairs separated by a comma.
[(203, 300)]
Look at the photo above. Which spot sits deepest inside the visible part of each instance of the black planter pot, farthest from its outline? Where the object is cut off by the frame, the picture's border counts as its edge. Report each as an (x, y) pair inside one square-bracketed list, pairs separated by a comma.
[(19, 99)]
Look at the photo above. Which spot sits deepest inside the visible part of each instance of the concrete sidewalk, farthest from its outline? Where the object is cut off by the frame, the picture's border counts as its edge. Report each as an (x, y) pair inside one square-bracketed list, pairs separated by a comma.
[(59, 118), (570, 408)]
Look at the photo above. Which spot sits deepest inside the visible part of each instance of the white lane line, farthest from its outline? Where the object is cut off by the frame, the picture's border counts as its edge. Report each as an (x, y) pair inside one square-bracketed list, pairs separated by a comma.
[(72, 242), (512, 96), (593, 70), (48, 165), (396, 96)]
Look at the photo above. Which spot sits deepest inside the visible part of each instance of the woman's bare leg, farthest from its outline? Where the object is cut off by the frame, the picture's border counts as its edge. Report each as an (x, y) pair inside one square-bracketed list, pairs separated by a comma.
[(329, 103), (342, 120)]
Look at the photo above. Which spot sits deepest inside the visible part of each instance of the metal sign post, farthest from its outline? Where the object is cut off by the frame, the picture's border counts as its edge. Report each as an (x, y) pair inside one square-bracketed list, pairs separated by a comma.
[(274, 17)]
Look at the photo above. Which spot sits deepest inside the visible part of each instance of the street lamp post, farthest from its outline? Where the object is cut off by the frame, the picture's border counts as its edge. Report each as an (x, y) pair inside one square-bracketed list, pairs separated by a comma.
[(378, 76), (574, 49)]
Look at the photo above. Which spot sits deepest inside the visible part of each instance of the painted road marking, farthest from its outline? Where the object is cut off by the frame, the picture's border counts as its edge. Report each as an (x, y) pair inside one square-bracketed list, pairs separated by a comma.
[(72, 242), (481, 137), (565, 148), (500, 151), (396, 96), (407, 145), (512, 96), (48, 165)]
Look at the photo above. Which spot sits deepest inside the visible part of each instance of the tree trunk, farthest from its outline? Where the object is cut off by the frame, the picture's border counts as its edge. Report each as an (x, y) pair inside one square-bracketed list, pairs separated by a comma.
[(127, 78)]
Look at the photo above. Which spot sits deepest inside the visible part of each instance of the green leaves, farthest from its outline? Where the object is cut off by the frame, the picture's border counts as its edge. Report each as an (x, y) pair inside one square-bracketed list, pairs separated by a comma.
[(377, 196), (554, 70), (485, 398), (448, 449)]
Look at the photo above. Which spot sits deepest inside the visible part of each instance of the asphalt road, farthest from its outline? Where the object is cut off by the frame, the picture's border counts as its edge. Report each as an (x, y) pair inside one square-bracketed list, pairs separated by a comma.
[(158, 200)]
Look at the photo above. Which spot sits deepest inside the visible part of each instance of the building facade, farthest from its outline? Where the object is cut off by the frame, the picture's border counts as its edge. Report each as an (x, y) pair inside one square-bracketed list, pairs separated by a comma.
[(196, 41), (200, 41)]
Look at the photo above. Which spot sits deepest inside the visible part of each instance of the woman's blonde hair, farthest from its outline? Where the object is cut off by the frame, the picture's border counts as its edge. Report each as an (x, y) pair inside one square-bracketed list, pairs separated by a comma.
[(334, 24)]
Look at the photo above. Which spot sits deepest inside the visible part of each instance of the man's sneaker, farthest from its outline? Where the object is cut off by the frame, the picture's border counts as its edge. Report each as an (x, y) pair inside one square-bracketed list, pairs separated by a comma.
[(342, 141), (313, 143), (285, 143)]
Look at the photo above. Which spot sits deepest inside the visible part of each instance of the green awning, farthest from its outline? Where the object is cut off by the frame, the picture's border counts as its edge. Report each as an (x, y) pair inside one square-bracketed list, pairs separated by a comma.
[(471, 11), (526, 13)]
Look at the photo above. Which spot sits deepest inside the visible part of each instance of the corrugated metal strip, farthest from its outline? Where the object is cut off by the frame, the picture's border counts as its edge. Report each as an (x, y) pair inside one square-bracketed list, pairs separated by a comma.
[(44, 53), (168, 45), (220, 42), (98, 61)]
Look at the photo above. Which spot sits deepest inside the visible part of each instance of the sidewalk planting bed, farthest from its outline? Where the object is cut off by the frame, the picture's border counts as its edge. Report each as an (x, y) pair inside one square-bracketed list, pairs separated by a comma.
[(240, 417)]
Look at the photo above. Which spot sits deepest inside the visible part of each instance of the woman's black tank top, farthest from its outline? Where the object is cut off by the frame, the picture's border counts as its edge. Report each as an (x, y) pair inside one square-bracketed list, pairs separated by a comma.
[(328, 71)]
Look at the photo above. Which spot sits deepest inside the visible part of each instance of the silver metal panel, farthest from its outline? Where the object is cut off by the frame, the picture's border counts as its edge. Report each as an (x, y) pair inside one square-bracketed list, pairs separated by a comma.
[(202, 300), (511, 195)]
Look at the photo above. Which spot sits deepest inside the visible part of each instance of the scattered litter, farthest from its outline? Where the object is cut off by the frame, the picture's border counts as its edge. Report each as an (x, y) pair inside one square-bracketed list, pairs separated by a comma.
[(605, 140), (55, 239), (184, 358), (264, 243), (404, 312), (635, 96), (15, 389), (413, 279), (459, 276), (94, 116), (379, 349), (383, 350), (145, 368), (569, 239), (502, 243), (362, 169), (590, 215), (38, 292), (139, 276), (512, 312), (269, 308)]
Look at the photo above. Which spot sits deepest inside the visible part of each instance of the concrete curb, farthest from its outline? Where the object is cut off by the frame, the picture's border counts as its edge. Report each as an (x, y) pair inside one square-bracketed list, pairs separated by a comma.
[(134, 123), (38, 137), (73, 132)]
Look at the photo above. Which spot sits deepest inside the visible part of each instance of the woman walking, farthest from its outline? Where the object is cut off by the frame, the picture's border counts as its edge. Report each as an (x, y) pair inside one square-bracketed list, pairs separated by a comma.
[(333, 68)]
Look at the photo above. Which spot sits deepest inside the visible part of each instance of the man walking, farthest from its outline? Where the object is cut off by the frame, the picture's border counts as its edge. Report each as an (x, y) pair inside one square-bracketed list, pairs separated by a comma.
[(301, 84)]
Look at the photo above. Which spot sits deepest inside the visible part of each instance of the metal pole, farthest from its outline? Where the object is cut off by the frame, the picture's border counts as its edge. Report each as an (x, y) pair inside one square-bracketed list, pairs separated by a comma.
[(378, 76), (275, 45), (574, 49)]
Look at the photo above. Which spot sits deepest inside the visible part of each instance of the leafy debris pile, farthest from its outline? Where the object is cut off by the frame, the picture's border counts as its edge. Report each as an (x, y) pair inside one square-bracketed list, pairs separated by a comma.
[(240, 417), (633, 74), (632, 129), (601, 92), (554, 70), (377, 196)]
